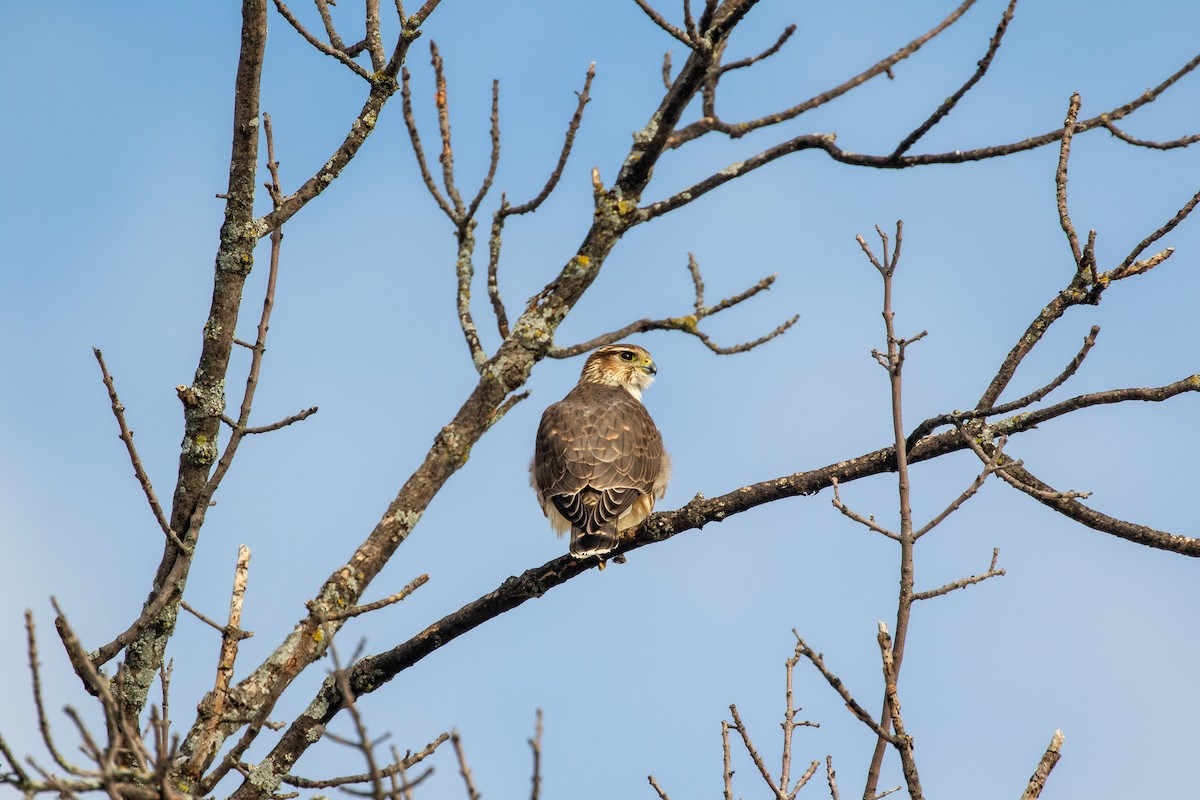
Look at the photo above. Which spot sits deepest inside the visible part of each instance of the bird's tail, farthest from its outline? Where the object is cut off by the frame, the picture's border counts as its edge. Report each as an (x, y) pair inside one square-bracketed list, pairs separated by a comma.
[(597, 543)]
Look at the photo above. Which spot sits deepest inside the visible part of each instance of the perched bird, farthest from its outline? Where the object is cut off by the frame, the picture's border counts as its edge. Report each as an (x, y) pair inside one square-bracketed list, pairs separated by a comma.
[(598, 460)]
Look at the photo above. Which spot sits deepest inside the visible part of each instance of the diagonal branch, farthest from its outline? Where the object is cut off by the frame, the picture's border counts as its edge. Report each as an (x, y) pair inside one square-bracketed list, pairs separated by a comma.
[(1127, 266), (835, 682), (950, 102), (493, 159), (957, 417), (765, 54), (139, 470), (963, 583), (740, 727), (506, 210), (231, 637), (1067, 504), (827, 143), (661, 22), (1084, 288), (882, 67), (1037, 781), (336, 50)]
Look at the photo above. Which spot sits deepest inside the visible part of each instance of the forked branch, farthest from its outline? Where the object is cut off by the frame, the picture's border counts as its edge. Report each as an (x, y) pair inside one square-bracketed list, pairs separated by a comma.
[(688, 324)]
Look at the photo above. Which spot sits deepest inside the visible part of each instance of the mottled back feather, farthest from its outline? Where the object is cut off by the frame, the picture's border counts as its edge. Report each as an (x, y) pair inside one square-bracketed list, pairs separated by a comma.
[(599, 461)]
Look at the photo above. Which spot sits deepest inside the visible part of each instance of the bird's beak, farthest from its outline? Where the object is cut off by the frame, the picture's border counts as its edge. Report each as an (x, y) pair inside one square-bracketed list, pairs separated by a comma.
[(653, 370)]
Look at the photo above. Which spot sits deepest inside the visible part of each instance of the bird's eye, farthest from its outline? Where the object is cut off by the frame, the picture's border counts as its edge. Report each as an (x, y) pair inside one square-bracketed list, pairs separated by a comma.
[(626, 355)]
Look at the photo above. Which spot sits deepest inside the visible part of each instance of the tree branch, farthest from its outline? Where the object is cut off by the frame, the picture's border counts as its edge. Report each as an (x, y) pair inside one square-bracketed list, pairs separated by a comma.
[(336, 51), (139, 470), (950, 102), (687, 324), (882, 67), (1182, 141), (235, 256), (1037, 782), (963, 583)]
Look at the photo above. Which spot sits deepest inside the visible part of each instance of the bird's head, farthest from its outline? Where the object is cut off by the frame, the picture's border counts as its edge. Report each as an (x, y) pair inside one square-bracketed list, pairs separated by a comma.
[(624, 365)]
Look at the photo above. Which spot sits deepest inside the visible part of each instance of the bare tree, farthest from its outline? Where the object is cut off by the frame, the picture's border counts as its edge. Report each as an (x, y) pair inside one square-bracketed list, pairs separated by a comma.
[(143, 751)]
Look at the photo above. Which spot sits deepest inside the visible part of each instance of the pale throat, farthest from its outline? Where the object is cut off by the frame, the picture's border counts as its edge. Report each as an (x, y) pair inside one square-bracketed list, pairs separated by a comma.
[(635, 380)]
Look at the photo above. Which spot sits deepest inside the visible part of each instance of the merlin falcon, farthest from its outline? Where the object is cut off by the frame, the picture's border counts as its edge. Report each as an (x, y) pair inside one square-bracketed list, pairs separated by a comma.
[(598, 460)]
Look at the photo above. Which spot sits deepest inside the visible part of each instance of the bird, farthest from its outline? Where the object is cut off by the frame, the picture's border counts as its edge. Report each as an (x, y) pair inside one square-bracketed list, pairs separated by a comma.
[(598, 459)]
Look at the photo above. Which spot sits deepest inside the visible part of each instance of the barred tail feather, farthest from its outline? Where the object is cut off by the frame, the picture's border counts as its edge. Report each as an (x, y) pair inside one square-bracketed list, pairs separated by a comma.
[(587, 545)]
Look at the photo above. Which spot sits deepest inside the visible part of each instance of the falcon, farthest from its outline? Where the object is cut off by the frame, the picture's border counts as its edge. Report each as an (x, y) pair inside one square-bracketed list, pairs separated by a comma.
[(598, 460)]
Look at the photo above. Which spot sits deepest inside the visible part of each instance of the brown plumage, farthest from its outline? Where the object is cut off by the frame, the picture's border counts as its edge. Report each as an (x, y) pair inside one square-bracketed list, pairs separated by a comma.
[(598, 460)]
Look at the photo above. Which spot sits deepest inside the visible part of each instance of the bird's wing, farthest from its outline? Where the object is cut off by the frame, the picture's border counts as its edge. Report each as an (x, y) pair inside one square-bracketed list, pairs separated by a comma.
[(596, 451)]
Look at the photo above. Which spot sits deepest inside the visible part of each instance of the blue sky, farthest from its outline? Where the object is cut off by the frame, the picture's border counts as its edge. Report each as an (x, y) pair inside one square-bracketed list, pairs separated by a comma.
[(116, 130)]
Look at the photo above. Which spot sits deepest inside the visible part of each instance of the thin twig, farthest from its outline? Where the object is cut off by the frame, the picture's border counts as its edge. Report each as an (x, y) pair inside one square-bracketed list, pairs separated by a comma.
[(1166, 228), (535, 745), (506, 406), (831, 778), (22, 780), (506, 210), (274, 187), (931, 424), (1182, 141), (1060, 179), (962, 583), (583, 98), (867, 522), (1008, 468), (36, 677), (446, 158), (658, 20), (397, 767), (991, 465), (212, 623), (950, 102), (770, 51), (122, 731), (299, 416), (330, 30), (463, 769), (138, 469), (882, 67), (740, 727), (355, 611), (418, 19), (687, 324), (803, 780), (493, 158), (241, 426), (332, 52), (834, 681), (414, 137)]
